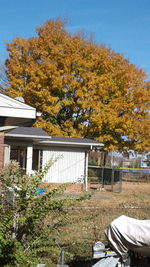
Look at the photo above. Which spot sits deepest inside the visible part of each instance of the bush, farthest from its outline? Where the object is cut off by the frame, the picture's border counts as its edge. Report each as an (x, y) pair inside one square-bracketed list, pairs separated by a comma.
[(29, 222)]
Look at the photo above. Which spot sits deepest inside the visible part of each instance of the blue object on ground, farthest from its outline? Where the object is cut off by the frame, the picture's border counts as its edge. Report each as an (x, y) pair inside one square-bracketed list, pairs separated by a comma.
[(40, 191)]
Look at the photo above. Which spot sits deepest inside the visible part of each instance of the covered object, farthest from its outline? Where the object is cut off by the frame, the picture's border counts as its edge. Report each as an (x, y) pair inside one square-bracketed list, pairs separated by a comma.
[(125, 233)]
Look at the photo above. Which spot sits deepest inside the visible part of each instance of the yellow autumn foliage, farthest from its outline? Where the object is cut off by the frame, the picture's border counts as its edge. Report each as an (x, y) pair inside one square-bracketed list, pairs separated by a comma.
[(82, 89)]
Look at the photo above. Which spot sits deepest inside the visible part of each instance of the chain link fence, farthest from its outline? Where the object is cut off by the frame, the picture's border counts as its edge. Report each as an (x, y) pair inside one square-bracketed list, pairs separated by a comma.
[(136, 175), (111, 178), (108, 178)]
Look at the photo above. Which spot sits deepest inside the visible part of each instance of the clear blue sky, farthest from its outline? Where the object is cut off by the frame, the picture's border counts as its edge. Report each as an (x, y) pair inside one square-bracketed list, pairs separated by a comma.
[(123, 25)]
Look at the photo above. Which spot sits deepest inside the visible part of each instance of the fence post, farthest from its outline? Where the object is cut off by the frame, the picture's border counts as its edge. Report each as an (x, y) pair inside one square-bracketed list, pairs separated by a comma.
[(62, 260), (86, 172), (112, 179), (102, 177), (120, 181)]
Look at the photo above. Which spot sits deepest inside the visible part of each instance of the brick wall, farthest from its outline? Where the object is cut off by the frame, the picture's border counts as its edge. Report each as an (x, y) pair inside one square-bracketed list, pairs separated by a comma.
[(1, 150)]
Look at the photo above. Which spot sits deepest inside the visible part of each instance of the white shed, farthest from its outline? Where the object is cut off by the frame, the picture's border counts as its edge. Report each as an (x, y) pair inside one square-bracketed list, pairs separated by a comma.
[(33, 148)]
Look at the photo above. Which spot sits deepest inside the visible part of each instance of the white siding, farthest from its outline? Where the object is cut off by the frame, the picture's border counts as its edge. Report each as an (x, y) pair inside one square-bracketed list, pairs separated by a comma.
[(68, 168)]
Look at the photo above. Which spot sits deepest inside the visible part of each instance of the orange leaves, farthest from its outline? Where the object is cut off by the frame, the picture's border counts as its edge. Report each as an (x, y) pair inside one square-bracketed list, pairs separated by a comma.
[(82, 89)]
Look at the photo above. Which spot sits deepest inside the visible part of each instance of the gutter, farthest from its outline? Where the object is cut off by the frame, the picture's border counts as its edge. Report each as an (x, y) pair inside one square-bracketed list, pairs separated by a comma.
[(27, 136), (5, 128), (72, 143)]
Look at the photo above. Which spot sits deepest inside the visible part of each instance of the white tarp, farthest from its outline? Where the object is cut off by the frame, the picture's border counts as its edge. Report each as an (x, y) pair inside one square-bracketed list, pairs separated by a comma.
[(125, 233)]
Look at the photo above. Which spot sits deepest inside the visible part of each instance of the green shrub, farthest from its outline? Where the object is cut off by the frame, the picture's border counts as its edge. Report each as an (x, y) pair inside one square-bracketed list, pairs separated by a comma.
[(29, 223)]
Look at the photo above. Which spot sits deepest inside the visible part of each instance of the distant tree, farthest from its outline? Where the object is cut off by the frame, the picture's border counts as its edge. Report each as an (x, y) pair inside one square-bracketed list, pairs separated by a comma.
[(82, 89), (3, 78)]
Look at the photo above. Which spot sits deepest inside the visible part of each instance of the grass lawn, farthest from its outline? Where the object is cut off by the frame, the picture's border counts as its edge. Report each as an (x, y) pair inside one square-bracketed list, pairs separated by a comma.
[(85, 223)]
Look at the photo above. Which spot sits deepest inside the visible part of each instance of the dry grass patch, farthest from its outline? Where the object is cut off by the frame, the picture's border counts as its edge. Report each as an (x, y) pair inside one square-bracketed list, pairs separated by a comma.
[(86, 224)]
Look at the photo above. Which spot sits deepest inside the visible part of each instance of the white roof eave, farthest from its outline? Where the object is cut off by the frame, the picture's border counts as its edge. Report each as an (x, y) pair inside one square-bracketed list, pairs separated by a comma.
[(27, 136), (71, 143), (13, 112), (7, 101), (10, 107), (44, 140), (6, 128)]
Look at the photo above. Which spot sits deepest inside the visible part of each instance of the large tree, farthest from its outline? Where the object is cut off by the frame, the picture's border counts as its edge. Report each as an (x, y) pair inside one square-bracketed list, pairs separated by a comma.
[(82, 89)]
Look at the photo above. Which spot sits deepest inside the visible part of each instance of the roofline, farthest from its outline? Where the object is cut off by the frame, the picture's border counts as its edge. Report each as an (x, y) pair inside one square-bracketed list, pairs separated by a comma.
[(6, 128), (16, 100), (71, 143), (27, 136), (41, 142), (27, 108)]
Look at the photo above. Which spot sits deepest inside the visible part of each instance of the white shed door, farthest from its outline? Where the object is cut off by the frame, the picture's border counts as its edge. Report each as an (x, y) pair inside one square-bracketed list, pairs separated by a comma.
[(68, 168)]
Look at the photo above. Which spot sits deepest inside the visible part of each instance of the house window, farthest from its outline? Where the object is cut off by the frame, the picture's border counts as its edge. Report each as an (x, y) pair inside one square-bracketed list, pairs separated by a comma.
[(19, 154), (37, 160)]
